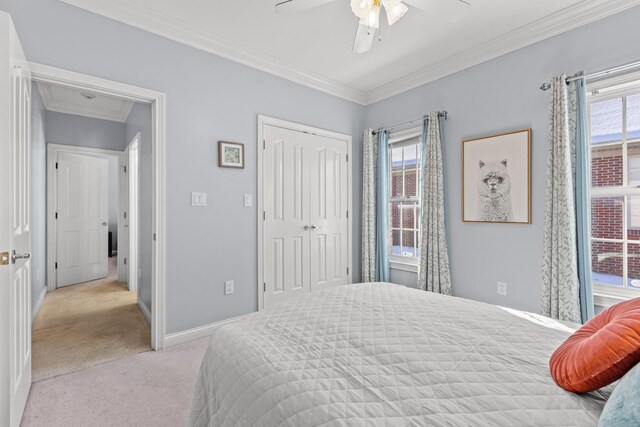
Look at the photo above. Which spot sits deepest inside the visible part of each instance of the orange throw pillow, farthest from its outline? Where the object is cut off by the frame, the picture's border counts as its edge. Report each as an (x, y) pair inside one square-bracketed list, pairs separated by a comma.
[(601, 351)]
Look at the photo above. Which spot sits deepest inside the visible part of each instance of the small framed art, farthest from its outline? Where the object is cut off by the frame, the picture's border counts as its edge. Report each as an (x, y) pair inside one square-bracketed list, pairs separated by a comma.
[(230, 155), (496, 178)]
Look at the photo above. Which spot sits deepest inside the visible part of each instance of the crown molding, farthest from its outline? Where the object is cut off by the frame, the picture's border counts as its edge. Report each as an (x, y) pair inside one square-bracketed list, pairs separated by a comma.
[(51, 104), (190, 35), (580, 14), (560, 22)]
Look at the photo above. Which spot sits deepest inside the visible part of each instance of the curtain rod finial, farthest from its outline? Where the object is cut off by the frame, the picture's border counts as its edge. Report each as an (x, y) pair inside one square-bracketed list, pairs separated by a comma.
[(545, 86)]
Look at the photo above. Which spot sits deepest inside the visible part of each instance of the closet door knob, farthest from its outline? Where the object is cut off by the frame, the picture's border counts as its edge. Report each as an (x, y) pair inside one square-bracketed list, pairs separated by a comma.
[(305, 228), (313, 227)]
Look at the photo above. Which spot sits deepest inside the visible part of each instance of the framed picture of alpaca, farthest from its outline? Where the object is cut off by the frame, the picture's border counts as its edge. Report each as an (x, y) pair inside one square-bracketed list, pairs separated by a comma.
[(496, 178)]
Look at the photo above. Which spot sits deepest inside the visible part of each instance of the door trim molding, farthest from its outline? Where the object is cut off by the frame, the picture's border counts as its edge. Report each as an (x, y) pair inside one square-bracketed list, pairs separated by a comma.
[(157, 100), (52, 197), (133, 220), (271, 121)]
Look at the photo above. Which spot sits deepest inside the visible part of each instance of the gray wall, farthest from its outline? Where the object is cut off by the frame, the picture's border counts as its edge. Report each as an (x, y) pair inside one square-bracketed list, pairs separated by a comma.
[(139, 120), (38, 197), (497, 96), (208, 99), (80, 131)]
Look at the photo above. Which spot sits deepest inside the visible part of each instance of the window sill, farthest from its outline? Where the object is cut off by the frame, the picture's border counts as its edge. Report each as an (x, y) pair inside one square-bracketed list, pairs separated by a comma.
[(605, 296), (404, 266)]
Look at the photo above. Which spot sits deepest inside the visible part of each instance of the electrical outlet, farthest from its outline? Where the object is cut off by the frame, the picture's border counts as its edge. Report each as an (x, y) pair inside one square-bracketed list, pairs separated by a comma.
[(228, 287), (198, 199), (502, 288)]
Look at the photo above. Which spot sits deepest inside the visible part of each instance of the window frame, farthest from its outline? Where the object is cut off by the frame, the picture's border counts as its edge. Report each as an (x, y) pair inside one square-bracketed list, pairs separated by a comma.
[(399, 139), (604, 90)]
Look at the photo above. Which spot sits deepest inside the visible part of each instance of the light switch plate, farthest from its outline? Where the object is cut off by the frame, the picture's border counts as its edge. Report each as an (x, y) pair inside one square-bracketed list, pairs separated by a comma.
[(502, 288), (228, 287), (198, 199), (248, 200)]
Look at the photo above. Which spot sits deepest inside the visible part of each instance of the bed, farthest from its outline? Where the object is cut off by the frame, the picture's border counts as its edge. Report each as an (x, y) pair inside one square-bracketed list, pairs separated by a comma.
[(383, 354)]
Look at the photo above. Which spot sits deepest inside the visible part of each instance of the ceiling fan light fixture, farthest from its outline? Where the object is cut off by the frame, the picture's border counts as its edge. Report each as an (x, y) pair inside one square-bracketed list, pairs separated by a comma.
[(395, 10), (361, 8), (372, 19)]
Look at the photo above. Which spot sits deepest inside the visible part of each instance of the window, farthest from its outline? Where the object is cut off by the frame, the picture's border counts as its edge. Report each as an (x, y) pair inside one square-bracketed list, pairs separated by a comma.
[(614, 122), (405, 151)]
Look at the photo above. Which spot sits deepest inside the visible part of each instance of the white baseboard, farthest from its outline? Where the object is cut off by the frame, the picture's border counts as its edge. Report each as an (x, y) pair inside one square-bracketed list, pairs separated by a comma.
[(182, 337), (145, 310), (36, 308)]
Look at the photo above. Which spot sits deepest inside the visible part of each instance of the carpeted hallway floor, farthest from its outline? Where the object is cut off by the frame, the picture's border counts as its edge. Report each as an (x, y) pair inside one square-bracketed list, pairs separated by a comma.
[(147, 389), (87, 324)]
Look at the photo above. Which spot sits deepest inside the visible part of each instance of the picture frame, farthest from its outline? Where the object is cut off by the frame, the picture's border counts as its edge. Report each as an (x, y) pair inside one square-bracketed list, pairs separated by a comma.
[(230, 155), (496, 178)]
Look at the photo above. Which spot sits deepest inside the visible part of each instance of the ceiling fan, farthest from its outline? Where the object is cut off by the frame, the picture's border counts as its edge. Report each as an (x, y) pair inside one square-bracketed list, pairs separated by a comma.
[(368, 11)]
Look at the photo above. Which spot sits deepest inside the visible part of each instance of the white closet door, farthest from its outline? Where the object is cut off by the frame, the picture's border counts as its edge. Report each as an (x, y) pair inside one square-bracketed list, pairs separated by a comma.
[(328, 190), (286, 214), (82, 218), (15, 225)]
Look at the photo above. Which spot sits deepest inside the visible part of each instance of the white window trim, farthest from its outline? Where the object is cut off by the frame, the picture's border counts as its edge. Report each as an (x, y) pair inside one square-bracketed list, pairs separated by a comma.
[(398, 139), (621, 86), (607, 296), (404, 263)]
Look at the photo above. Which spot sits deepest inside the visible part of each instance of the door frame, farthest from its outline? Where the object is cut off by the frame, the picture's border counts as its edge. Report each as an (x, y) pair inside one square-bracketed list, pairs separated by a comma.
[(132, 219), (271, 121), (52, 197), (157, 100)]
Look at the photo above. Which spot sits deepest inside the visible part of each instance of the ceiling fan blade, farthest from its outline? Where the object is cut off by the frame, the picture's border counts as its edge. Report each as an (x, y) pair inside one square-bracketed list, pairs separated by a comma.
[(428, 5), (364, 39), (289, 7)]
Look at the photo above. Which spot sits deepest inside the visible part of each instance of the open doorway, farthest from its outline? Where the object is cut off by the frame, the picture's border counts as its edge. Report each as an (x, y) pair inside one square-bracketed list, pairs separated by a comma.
[(94, 309)]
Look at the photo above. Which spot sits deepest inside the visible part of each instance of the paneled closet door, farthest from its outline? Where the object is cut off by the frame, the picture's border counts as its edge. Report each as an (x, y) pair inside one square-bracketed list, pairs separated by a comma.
[(286, 214), (328, 190)]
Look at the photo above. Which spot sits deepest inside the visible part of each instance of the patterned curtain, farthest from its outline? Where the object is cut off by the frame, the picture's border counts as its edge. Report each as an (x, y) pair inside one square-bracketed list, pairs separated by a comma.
[(434, 273), (566, 269), (369, 175), (382, 209)]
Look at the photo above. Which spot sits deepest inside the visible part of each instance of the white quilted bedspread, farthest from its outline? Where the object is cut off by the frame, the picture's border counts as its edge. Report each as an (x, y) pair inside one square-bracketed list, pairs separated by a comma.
[(380, 354)]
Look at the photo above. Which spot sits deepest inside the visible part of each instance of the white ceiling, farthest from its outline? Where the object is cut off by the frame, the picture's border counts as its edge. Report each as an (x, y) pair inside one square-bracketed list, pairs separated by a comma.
[(63, 99), (314, 47)]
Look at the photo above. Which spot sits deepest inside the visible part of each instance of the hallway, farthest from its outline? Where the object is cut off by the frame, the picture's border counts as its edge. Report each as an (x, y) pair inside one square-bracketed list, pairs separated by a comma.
[(87, 324)]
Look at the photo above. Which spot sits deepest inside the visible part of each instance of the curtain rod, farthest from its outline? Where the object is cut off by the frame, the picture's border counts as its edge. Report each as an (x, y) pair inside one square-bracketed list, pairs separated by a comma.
[(636, 64), (440, 114)]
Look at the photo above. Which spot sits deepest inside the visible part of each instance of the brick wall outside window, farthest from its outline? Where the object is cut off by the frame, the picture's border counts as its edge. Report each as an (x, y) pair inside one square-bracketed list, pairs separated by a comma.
[(606, 221), (410, 189)]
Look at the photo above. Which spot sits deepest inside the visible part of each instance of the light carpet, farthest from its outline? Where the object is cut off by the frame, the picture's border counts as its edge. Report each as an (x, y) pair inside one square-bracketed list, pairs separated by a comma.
[(147, 389), (86, 324)]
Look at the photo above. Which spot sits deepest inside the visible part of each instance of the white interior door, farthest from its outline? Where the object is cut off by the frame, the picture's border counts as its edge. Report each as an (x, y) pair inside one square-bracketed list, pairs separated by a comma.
[(123, 220), (305, 223), (82, 209), (329, 192), (15, 225), (286, 218)]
